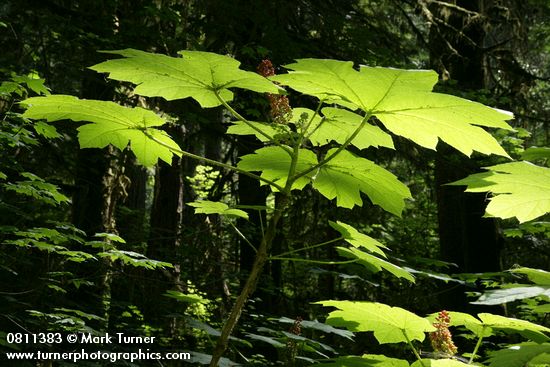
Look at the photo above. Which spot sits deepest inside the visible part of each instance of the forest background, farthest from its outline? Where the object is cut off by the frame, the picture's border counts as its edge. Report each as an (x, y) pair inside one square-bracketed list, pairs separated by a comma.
[(163, 270)]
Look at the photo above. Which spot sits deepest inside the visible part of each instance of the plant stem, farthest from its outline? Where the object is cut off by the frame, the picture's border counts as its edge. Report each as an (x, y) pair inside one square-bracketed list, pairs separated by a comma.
[(310, 247), (306, 128), (313, 261), (241, 118), (212, 162), (476, 348), (243, 237), (251, 282), (333, 155), (413, 348), (259, 260)]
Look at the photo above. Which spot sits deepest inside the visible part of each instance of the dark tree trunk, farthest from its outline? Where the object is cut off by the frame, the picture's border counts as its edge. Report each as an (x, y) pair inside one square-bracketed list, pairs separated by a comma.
[(250, 193), (165, 237), (466, 238)]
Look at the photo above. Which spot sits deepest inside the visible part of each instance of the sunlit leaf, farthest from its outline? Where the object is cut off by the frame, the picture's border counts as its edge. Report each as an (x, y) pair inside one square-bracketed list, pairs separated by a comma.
[(274, 163), (212, 207), (358, 239), (373, 263), (347, 175), (197, 74), (187, 298), (367, 360), (535, 153), (316, 325), (111, 124), (439, 363), (403, 100), (336, 124), (389, 324), (520, 355), (537, 276), (500, 296), (520, 189)]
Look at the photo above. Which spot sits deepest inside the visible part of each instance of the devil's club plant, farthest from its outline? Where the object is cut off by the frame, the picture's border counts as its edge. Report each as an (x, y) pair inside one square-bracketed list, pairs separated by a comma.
[(357, 106)]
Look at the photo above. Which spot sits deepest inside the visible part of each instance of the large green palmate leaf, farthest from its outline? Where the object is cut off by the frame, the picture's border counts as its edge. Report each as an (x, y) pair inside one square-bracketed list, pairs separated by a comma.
[(403, 100), (389, 324), (199, 75), (374, 263), (500, 296), (216, 207), (439, 363), (337, 124), (537, 276), (521, 355), (520, 190), (347, 175), (367, 360), (274, 163), (111, 124), (343, 178), (358, 239), (487, 323)]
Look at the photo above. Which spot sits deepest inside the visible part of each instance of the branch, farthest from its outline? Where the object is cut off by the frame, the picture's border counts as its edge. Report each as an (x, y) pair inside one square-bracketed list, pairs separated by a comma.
[(333, 155), (241, 118), (212, 162), (251, 282)]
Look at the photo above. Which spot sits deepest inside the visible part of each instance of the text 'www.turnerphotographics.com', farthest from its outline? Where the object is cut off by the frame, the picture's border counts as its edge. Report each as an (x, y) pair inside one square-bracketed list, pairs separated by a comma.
[(141, 347)]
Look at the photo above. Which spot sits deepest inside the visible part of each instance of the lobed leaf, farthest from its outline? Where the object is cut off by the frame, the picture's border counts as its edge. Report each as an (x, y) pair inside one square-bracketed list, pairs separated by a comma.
[(110, 124), (337, 125), (389, 324), (199, 75), (403, 100), (358, 239), (520, 189), (520, 355), (373, 263), (213, 207), (274, 163), (316, 325), (343, 178), (537, 276), (347, 175), (500, 296), (367, 360), (486, 323), (439, 363)]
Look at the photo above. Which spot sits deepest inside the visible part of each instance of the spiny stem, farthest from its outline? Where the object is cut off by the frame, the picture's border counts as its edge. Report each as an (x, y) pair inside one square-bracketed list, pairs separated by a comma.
[(212, 162), (304, 131), (241, 118), (338, 151), (413, 348), (243, 237), (476, 348), (313, 261), (310, 247), (251, 282)]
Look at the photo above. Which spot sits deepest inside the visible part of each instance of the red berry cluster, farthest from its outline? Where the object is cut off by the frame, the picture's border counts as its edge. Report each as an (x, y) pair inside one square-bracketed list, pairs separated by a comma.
[(296, 328), (442, 340), (279, 104)]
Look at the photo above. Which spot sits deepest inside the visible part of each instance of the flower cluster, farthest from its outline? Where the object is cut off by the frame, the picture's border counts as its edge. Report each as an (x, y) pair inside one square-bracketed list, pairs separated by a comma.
[(279, 104), (291, 345), (442, 340)]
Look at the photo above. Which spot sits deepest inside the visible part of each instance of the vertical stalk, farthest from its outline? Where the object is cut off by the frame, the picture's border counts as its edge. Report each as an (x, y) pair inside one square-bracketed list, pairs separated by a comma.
[(413, 349), (476, 348), (251, 282)]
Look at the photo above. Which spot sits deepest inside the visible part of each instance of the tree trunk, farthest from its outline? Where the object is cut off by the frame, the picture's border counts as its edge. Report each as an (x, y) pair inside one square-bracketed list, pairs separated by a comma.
[(466, 238)]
